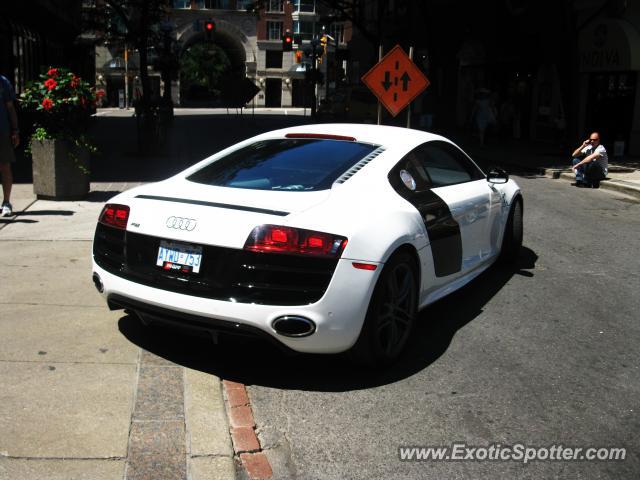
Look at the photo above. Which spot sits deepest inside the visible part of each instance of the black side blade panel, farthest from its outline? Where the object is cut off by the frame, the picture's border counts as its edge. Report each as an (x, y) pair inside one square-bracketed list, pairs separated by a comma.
[(442, 228)]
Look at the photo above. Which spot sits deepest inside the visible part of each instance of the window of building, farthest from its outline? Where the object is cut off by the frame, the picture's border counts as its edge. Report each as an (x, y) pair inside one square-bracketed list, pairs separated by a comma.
[(243, 4), (304, 6), (274, 59), (181, 3), (275, 6), (217, 4), (306, 29), (336, 30), (274, 30)]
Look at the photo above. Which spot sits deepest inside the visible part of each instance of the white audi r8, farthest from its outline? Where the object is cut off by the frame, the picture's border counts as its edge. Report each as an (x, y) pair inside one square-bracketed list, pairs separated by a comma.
[(324, 238)]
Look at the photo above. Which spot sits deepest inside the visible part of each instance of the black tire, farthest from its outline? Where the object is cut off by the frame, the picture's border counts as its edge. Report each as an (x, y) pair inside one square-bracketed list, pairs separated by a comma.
[(513, 232), (391, 314)]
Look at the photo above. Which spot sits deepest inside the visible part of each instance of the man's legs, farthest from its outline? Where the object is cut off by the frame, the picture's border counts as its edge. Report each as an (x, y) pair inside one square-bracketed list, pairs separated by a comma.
[(7, 180), (593, 174), (579, 170), (6, 158), (6, 210)]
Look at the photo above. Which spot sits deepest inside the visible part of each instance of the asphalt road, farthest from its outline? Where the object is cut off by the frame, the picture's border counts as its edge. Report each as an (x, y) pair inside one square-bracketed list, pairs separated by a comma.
[(540, 355)]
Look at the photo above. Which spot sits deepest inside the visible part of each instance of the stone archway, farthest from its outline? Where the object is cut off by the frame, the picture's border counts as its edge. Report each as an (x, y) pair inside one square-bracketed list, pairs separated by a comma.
[(237, 46)]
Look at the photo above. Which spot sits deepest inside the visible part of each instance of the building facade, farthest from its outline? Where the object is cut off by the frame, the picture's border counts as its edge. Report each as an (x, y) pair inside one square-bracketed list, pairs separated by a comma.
[(248, 43)]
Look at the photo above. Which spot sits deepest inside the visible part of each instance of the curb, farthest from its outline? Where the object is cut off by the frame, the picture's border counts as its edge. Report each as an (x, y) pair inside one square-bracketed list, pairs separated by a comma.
[(246, 444), (613, 184)]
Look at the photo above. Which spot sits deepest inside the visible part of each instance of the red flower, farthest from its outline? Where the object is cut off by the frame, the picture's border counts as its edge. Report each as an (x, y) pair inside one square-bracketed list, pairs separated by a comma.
[(47, 104), (53, 72), (50, 84), (75, 82)]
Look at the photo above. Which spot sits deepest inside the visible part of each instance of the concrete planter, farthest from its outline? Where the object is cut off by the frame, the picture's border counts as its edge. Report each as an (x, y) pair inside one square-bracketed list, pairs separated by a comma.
[(60, 170)]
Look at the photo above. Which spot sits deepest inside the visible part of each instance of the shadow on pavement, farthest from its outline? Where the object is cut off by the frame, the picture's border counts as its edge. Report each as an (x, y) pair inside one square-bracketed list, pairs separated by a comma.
[(40, 213), (5, 221), (254, 362)]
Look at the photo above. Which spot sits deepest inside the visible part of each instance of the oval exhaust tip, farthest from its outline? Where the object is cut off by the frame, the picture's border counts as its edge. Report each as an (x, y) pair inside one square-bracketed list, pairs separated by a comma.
[(294, 326), (97, 281)]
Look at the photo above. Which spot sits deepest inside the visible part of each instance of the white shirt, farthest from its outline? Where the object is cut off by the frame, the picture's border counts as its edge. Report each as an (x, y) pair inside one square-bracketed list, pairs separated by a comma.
[(602, 158)]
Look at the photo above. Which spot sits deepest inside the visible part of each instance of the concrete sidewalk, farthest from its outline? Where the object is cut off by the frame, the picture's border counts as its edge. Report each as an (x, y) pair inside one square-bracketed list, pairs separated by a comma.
[(80, 399)]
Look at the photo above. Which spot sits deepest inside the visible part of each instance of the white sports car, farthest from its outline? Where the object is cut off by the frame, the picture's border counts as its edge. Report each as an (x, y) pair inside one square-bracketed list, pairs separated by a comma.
[(324, 238)]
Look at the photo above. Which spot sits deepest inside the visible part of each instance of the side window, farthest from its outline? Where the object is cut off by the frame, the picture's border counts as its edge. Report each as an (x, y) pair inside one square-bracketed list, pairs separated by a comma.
[(409, 175), (446, 164)]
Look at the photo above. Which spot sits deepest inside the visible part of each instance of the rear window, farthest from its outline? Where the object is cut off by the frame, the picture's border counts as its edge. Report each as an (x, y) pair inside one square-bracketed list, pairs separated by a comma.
[(284, 164)]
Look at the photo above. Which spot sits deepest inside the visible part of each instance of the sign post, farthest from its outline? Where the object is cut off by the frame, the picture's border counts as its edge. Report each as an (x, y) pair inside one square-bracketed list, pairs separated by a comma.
[(395, 80), (380, 51), (409, 106)]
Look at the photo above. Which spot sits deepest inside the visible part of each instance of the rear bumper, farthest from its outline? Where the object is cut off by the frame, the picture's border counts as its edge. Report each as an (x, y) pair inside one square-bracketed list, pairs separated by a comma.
[(338, 315), (189, 322)]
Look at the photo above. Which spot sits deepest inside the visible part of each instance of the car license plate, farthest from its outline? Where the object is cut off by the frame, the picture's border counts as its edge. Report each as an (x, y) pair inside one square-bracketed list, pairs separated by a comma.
[(179, 257)]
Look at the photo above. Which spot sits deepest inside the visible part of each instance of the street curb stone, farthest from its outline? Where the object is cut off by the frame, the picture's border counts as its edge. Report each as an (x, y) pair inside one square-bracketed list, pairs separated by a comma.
[(609, 185), (246, 443), (257, 465)]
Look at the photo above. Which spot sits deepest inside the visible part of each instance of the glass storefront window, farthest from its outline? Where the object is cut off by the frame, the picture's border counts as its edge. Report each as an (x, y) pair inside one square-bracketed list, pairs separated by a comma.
[(181, 3)]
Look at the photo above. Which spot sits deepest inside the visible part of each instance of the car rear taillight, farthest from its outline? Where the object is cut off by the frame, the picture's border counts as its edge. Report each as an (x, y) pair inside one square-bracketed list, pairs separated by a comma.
[(115, 215), (279, 239)]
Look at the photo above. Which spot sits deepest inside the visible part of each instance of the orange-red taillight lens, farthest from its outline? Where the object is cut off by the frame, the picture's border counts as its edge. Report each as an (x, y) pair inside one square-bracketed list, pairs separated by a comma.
[(279, 239), (115, 215)]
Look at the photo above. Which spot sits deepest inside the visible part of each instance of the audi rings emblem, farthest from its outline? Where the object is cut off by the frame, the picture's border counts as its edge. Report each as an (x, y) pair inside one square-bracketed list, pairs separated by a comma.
[(180, 223)]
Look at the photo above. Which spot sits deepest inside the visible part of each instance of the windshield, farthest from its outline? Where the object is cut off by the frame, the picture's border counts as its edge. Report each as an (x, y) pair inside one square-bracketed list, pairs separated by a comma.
[(284, 164)]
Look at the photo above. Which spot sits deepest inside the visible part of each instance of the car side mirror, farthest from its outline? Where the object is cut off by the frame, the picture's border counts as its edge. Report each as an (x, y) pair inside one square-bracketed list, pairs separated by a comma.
[(497, 175)]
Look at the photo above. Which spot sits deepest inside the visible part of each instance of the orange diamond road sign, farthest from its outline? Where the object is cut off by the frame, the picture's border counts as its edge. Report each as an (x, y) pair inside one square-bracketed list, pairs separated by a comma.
[(395, 80)]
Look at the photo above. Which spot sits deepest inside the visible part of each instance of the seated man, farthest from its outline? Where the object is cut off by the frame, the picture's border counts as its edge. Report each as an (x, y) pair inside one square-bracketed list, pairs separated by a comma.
[(590, 162)]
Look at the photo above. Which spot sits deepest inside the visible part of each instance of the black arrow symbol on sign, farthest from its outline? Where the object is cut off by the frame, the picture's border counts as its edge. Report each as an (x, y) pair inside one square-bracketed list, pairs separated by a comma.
[(405, 80), (387, 83)]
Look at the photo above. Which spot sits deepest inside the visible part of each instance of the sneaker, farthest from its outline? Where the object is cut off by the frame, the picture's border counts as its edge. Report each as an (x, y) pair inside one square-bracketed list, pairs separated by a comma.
[(7, 209)]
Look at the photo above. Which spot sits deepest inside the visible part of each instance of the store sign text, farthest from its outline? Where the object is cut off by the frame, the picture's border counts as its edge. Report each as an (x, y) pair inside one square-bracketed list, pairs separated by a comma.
[(601, 60)]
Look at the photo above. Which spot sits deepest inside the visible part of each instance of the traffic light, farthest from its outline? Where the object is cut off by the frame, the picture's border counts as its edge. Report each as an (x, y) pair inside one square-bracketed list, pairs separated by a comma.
[(209, 29), (298, 56), (287, 41)]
